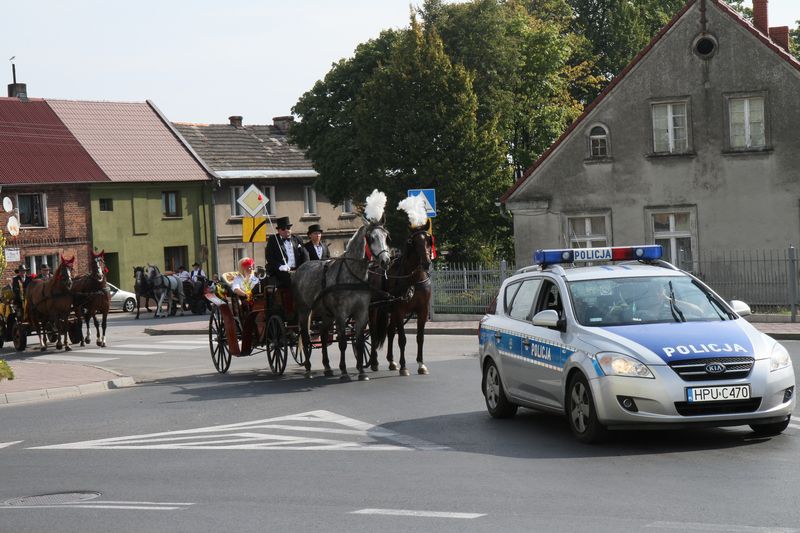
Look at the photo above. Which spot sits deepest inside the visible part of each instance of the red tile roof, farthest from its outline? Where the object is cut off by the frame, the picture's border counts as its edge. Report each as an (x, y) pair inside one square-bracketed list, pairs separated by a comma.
[(36, 147), (722, 5), (129, 140)]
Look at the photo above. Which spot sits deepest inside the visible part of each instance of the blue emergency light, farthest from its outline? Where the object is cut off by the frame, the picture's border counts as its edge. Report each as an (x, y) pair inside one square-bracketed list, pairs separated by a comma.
[(650, 252)]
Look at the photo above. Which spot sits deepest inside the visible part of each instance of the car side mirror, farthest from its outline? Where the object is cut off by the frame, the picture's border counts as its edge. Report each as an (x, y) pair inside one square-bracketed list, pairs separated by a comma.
[(549, 319), (741, 308)]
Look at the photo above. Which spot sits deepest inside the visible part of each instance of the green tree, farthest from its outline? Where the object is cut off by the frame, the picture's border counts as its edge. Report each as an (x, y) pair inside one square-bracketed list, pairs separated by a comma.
[(794, 40)]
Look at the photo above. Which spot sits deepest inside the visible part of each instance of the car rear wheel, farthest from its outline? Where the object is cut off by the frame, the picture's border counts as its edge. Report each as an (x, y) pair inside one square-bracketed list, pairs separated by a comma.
[(769, 430), (129, 306), (581, 412), (496, 401)]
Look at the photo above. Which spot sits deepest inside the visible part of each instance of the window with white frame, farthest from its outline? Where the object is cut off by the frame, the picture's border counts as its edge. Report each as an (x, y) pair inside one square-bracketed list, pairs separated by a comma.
[(676, 231), (309, 200), (746, 116), (670, 128), (588, 230), (35, 262), (347, 206), (32, 210), (238, 254), (598, 142)]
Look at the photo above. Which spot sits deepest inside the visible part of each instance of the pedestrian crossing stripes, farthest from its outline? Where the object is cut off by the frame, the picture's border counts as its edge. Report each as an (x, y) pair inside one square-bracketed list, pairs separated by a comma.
[(311, 431)]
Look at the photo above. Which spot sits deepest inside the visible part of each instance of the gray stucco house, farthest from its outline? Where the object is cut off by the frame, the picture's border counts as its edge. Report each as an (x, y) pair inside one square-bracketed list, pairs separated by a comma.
[(694, 146)]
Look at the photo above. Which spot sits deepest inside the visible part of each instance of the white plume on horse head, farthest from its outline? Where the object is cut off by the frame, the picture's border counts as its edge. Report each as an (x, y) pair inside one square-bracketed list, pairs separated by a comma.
[(376, 203), (414, 206)]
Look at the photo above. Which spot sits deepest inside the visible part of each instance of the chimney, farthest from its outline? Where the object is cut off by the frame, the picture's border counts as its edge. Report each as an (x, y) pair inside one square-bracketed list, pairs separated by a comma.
[(17, 90), (780, 36), (282, 124), (761, 16), (236, 121)]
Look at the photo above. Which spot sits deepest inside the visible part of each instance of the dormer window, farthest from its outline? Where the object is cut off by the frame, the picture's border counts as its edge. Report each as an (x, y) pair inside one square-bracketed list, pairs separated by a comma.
[(598, 142)]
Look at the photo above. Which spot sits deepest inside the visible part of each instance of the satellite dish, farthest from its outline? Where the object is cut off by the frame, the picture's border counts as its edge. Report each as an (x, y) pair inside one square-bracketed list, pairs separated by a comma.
[(13, 226), (7, 205)]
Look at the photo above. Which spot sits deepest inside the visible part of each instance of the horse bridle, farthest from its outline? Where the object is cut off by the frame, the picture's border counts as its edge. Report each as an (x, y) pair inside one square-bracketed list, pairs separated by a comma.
[(369, 243)]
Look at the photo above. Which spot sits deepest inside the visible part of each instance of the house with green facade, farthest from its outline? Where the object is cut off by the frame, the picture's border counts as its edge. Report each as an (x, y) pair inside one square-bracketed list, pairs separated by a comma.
[(156, 206)]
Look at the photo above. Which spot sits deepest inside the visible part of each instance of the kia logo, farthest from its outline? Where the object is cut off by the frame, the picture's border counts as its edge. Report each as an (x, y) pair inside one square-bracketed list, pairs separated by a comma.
[(715, 368)]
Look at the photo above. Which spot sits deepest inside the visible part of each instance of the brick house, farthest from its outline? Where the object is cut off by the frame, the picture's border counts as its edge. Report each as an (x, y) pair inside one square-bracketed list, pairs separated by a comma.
[(46, 174)]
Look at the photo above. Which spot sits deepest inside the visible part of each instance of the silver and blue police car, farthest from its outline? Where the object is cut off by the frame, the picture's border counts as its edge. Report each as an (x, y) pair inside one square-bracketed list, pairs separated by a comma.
[(623, 345)]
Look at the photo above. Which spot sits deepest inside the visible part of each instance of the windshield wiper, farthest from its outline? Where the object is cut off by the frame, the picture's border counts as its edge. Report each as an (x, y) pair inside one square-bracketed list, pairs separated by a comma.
[(677, 314)]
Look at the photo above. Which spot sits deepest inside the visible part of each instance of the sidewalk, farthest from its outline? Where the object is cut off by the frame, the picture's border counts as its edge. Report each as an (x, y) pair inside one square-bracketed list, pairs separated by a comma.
[(41, 381)]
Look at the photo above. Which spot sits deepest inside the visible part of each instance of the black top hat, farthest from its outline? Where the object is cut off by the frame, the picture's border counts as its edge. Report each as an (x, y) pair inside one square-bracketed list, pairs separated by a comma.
[(312, 228), (22, 267), (195, 265), (283, 223), (44, 267)]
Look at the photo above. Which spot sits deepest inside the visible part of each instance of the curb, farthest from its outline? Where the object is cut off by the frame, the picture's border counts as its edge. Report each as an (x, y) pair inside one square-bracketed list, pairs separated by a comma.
[(66, 392), (783, 336)]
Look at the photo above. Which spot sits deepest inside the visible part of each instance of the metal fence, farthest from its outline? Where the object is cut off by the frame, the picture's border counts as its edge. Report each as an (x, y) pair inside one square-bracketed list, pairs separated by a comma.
[(767, 280)]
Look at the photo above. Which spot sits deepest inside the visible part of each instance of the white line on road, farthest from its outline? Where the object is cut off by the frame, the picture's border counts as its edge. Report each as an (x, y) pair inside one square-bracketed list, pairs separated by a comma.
[(727, 528), (100, 351), (92, 506), (794, 426), (422, 514), (195, 342), (150, 346), (77, 358), (7, 444)]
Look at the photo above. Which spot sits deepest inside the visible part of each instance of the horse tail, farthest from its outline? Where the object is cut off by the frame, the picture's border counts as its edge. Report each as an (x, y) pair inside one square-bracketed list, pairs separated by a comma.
[(380, 328)]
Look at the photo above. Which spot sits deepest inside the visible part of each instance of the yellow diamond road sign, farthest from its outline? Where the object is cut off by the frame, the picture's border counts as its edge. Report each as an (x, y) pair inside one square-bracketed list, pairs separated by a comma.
[(253, 201)]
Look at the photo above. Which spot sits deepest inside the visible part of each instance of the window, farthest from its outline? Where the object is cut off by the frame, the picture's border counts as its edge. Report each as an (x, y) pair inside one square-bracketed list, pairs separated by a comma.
[(170, 204), (675, 230), (175, 256), (670, 131), (35, 262), (589, 231), (106, 204), (32, 210), (746, 117), (523, 301), (310, 200), (598, 142), (347, 206), (238, 254), (550, 298), (238, 190)]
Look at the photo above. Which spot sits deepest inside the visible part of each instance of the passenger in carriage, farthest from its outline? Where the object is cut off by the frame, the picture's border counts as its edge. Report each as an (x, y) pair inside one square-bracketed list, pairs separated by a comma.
[(44, 272), (19, 283), (317, 250), (285, 253), (245, 280)]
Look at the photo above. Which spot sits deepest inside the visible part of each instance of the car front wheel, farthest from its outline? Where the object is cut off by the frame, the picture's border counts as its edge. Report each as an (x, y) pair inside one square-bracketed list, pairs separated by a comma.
[(496, 401), (770, 430), (581, 412), (130, 305)]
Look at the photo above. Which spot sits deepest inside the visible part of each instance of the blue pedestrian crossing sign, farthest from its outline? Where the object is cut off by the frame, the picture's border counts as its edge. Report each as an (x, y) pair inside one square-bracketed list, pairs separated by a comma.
[(429, 195)]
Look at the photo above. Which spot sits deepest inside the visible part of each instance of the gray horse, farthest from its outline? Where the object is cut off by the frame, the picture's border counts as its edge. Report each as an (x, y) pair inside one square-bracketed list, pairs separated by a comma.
[(164, 287), (336, 290)]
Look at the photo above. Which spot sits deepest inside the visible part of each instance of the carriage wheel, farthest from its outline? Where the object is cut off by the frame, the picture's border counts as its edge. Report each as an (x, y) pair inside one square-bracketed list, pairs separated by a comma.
[(367, 342), (218, 342), (20, 336), (277, 345), (75, 330)]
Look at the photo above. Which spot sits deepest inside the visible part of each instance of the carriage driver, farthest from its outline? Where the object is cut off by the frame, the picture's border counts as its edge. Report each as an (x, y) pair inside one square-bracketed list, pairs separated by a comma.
[(245, 279), (285, 253), (19, 283)]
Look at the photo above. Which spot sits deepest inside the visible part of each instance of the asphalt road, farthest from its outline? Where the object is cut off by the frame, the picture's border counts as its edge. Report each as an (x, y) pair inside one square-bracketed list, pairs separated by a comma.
[(250, 452)]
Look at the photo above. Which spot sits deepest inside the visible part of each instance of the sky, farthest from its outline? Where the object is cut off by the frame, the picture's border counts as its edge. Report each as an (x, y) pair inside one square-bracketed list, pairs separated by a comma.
[(200, 60)]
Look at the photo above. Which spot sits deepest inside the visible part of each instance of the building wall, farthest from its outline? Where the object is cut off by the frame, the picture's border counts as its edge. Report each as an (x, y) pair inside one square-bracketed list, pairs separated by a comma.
[(137, 232), (67, 232), (337, 227), (742, 200)]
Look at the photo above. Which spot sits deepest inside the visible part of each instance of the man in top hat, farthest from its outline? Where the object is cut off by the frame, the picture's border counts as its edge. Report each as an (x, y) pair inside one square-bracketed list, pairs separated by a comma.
[(285, 253), (44, 272), (317, 250), (19, 283)]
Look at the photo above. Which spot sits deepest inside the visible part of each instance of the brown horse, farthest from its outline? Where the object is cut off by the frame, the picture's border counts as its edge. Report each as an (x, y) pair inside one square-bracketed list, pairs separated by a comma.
[(49, 304), (91, 296), (408, 282)]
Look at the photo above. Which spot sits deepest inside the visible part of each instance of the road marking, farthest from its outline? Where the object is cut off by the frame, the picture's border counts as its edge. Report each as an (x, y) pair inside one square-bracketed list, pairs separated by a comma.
[(728, 528), (130, 506), (794, 426), (423, 514), (281, 433), (119, 352), (76, 358), (196, 342), (7, 444), (160, 346)]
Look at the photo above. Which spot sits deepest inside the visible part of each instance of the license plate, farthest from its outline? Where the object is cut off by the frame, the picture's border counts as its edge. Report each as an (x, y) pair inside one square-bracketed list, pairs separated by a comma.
[(718, 393)]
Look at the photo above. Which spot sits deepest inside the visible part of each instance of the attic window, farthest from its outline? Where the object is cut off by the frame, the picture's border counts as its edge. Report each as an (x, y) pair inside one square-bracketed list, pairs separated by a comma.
[(705, 46)]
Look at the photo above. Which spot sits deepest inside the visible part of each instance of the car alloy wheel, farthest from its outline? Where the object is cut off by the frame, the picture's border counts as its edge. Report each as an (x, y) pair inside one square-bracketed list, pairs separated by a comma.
[(496, 401), (130, 305), (581, 412)]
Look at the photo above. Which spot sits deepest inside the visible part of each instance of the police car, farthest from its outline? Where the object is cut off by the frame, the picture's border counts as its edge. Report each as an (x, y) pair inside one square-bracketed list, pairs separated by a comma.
[(623, 345)]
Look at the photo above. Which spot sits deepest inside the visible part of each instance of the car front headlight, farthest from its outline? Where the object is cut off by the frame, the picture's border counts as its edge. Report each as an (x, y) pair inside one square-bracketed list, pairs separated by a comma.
[(780, 358), (617, 364)]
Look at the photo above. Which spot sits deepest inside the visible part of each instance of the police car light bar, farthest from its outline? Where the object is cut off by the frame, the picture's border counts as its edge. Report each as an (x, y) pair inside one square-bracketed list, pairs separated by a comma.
[(615, 253)]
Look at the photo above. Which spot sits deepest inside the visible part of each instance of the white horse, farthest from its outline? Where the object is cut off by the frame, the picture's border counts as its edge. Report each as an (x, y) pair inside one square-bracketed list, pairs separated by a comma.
[(164, 287)]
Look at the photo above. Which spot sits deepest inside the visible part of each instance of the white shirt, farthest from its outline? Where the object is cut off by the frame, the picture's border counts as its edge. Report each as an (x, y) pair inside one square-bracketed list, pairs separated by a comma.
[(184, 276), (239, 282), (288, 246), (198, 273)]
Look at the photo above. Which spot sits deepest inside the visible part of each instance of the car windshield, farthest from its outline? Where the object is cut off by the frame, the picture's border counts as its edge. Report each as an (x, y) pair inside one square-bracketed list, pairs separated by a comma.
[(643, 300)]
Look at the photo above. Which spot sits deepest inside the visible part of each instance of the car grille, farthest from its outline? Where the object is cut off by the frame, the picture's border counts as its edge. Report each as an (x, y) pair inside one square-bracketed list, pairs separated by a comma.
[(695, 369), (717, 408)]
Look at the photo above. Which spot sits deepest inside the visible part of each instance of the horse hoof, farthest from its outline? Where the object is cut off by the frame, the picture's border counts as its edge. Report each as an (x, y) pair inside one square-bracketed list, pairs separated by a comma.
[(59, 346), (67, 348), (307, 375), (344, 377), (103, 345), (88, 340), (363, 377), (328, 373), (43, 349), (99, 343), (392, 365), (374, 367), (423, 370), (404, 372)]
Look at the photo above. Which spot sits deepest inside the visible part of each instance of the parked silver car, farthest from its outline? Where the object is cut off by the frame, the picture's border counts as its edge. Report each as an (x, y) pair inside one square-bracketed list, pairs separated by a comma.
[(124, 300)]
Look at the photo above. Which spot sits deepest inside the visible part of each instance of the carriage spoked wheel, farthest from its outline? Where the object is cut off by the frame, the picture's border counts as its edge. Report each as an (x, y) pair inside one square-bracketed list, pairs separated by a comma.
[(75, 332), (367, 345), (20, 336), (277, 345), (218, 342)]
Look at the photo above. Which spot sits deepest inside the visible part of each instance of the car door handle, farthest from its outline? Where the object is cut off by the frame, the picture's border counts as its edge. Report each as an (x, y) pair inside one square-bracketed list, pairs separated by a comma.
[(526, 342), (498, 336)]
